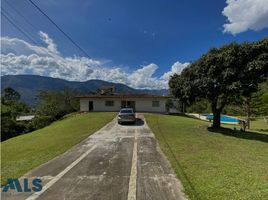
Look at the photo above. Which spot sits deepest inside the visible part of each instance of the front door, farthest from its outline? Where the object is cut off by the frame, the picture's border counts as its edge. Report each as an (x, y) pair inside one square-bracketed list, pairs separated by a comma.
[(90, 106), (128, 104)]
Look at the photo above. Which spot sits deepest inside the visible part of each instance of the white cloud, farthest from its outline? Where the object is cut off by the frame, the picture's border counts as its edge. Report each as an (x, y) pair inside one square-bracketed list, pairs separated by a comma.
[(20, 57), (144, 77), (20, 47), (243, 15), (51, 46), (176, 68)]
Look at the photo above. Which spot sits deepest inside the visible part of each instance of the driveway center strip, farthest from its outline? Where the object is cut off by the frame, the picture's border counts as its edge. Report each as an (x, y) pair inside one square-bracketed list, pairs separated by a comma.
[(133, 175), (61, 174)]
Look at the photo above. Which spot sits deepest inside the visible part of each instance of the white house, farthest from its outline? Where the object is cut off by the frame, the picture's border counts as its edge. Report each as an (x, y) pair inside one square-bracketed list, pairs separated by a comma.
[(114, 102)]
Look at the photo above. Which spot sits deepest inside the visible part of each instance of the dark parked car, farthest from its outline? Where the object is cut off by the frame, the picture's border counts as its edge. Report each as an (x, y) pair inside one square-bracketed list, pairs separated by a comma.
[(126, 115)]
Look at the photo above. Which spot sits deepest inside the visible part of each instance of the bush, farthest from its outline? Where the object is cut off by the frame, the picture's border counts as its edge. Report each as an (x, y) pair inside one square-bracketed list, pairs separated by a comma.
[(169, 104), (57, 103), (41, 121)]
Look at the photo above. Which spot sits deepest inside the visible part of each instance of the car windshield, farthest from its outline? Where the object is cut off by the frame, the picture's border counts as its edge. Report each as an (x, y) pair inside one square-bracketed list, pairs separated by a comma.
[(126, 111)]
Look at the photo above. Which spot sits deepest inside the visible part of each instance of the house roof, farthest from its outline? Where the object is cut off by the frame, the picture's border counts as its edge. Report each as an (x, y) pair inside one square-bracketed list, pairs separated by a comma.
[(122, 96), (25, 118)]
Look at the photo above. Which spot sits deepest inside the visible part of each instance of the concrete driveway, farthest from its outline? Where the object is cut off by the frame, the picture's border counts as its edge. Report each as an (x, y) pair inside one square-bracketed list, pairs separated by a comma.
[(117, 162)]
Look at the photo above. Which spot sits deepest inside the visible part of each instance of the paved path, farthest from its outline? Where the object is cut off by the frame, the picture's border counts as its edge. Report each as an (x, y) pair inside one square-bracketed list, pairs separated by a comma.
[(119, 162)]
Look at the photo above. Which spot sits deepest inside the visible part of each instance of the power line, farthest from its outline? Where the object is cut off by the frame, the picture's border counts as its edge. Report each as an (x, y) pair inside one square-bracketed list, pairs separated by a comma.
[(20, 14), (34, 28), (65, 34), (17, 27)]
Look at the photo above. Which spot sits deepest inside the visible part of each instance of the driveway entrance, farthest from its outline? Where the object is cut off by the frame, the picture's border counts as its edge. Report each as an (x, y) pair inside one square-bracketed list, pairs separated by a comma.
[(118, 162)]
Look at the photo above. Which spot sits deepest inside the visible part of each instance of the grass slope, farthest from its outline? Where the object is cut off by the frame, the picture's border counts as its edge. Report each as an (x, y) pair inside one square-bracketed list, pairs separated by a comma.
[(23, 153), (213, 165), (257, 125)]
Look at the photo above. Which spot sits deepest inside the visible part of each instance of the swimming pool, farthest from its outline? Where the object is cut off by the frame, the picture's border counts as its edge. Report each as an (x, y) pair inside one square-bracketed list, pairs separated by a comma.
[(224, 118)]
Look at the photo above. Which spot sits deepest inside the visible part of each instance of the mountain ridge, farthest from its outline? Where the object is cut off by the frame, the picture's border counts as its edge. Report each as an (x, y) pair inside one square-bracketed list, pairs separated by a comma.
[(30, 85)]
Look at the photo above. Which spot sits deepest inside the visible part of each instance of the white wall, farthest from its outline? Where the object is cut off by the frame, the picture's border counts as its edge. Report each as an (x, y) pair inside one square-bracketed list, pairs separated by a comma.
[(83, 104), (141, 105), (145, 105), (99, 104)]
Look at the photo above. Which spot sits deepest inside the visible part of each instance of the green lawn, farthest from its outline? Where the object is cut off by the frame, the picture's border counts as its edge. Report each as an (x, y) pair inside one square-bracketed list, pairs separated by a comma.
[(257, 124), (213, 165), (23, 153)]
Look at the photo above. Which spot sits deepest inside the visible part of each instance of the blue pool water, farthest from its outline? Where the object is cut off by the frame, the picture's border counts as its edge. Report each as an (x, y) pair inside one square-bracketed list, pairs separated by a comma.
[(224, 118)]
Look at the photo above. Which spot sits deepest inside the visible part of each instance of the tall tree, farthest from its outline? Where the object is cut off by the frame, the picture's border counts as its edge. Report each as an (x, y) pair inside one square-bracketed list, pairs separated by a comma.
[(250, 104), (10, 95), (11, 107), (56, 104), (223, 75)]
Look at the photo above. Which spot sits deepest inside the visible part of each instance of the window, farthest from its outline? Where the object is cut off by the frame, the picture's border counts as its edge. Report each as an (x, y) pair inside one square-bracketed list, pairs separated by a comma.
[(109, 103), (155, 104)]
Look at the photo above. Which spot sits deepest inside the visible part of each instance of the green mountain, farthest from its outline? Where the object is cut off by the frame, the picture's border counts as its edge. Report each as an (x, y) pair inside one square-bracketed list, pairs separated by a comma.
[(30, 85)]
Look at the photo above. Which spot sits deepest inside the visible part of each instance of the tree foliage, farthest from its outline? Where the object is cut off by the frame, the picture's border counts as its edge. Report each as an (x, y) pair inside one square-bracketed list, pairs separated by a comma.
[(11, 107), (52, 106), (56, 104), (10, 95), (223, 75), (199, 106)]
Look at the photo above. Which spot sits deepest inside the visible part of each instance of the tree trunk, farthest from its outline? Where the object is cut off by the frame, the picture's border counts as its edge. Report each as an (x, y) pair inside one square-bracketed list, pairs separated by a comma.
[(216, 115), (183, 107), (248, 108), (265, 118), (248, 121), (216, 119)]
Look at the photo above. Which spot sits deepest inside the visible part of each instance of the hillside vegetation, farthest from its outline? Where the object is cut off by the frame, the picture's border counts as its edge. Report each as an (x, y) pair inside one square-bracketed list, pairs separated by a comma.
[(25, 152)]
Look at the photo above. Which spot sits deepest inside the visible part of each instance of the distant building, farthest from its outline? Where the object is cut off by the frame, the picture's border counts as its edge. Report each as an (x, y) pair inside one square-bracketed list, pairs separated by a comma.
[(108, 100), (25, 118), (107, 90)]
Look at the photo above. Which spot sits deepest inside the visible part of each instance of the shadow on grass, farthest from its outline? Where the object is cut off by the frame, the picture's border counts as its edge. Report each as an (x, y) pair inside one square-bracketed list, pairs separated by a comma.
[(263, 130), (248, 135), (182, 115)]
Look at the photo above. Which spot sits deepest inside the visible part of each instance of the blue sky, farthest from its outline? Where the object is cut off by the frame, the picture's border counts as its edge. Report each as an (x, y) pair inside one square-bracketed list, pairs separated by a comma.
[(126, 36)]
